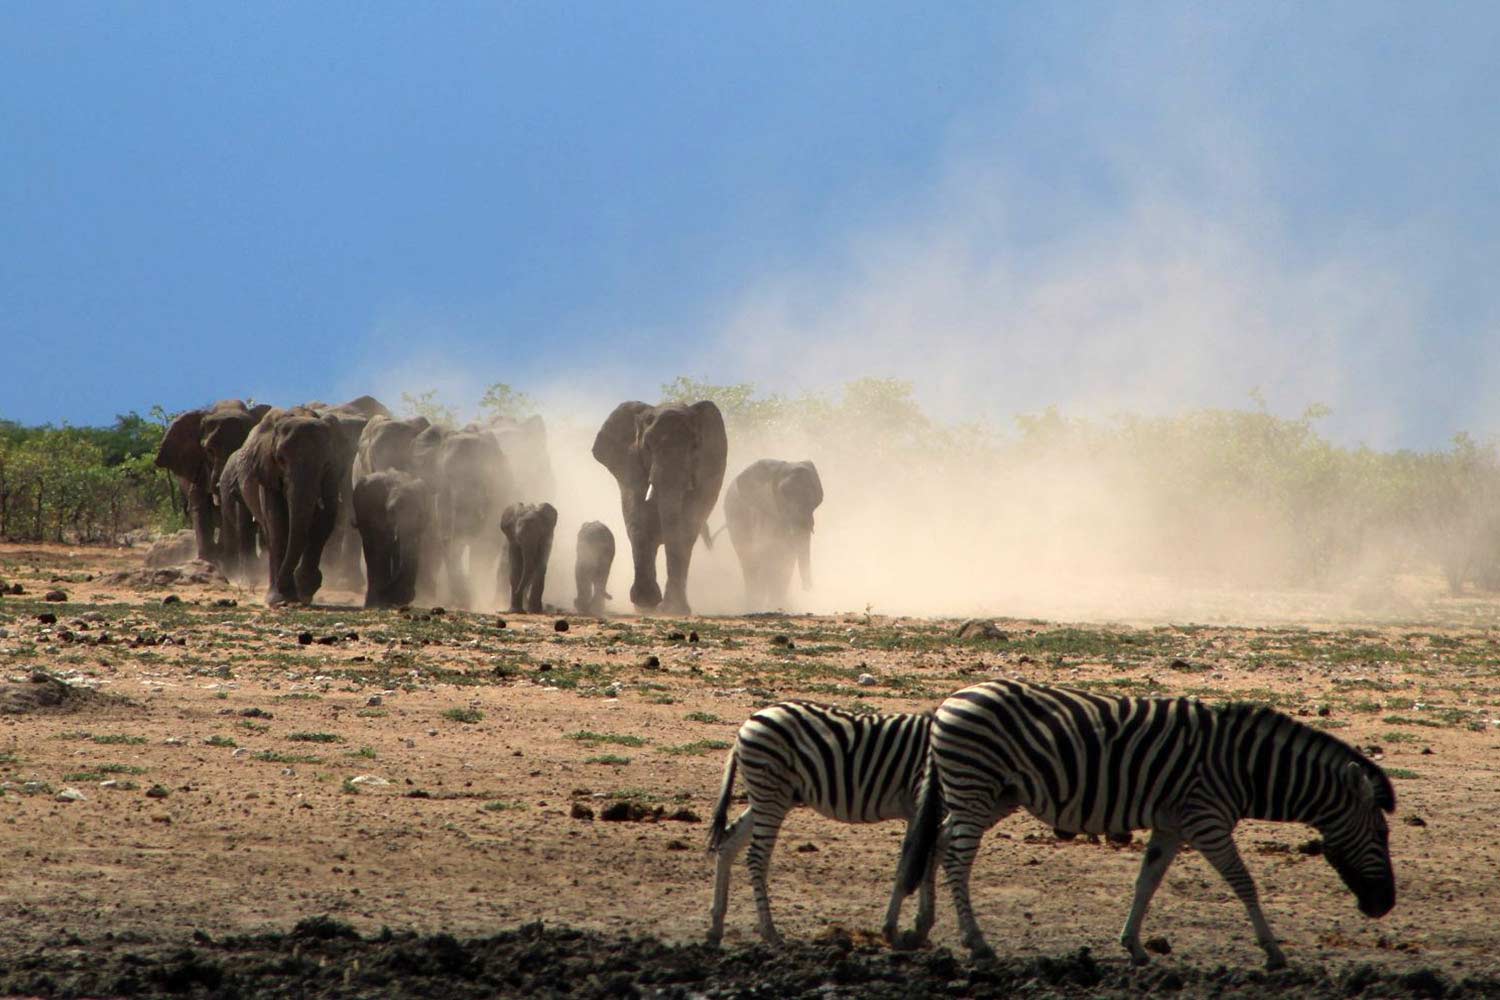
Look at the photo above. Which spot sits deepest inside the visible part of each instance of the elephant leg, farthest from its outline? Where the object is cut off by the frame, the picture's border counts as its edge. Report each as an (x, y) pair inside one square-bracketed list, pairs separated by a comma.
[(643, 528), (584, 586), (377, 564), (517, 575), (458, 582), (274, 505), (309, 575), (679, 557), (537, 566), (200, 504)]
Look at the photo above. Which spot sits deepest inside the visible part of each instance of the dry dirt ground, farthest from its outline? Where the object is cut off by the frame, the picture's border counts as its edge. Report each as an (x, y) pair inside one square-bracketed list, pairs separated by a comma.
[(415, 802)]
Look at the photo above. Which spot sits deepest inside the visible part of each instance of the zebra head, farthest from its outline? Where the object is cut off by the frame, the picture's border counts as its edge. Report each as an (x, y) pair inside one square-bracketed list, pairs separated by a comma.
[(1356, 837)]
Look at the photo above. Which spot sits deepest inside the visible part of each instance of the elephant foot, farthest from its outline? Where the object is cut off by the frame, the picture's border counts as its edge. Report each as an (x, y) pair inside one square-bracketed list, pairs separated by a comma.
[(275, 598), (308, 583), (645, 596)]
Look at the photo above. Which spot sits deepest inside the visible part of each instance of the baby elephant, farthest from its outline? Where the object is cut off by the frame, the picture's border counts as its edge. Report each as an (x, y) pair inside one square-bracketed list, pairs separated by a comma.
[(596, 553), (392, 511), (528, 534)]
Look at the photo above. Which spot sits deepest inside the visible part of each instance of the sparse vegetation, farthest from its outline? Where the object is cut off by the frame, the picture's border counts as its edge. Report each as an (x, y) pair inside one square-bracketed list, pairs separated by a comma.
[(587, 736), (465, 715)]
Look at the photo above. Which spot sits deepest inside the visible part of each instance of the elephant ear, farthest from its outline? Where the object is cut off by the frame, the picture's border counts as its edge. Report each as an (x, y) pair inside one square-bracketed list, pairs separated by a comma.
[(617, 445), (258, 411), (713, 453), (367, 406), (182, 446)]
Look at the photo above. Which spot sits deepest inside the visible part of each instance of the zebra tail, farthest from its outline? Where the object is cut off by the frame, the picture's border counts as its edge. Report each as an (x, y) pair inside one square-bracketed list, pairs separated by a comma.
[(921, 835), (719, 825)]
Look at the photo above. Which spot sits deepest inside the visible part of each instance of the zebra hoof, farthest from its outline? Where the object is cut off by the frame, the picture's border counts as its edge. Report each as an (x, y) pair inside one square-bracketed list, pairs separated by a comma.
[(907, 941)]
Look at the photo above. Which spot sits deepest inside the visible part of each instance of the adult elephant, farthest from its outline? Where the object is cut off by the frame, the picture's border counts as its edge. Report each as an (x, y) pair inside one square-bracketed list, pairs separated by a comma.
[(393, 512), (348, 421), (669, 464), (291, 483), (238, 530), (769, 510), (196, 446), (473, 485)]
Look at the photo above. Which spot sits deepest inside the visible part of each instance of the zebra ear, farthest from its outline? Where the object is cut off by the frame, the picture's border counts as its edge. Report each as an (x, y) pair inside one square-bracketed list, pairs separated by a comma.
[(1358, 781)]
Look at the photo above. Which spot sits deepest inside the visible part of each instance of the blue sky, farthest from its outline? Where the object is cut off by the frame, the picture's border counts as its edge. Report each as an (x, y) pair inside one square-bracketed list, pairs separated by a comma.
[(1130, 207)]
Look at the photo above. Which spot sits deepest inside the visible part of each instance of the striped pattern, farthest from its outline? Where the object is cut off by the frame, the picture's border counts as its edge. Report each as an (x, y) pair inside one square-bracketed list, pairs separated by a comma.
[(1187, 771), (855, 768)]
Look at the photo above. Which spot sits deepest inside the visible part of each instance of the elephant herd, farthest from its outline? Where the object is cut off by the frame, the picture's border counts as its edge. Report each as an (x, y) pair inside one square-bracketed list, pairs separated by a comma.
[(413, 510)]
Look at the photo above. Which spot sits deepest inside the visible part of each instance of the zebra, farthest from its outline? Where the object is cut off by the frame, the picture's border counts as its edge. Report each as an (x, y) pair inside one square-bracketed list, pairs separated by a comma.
[(1107, 765), (852, 767)]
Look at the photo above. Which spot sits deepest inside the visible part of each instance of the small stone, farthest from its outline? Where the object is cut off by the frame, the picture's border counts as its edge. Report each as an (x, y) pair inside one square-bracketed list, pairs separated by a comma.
[(240, 752), (70, 795), (807, 848), (1427, 751), (652, 662), (372, 780), (327, 640), (374, 700), (55, 595), (171, 599), (692, 637), (47, 618), (561, 625), (1312, 848), (499, 622), (1415, 821), (581, 811), (1324, 711), (223, 671), (157, 792), (1158, 946), (677, 845), (438, 611), (305, 638), (867, 680)]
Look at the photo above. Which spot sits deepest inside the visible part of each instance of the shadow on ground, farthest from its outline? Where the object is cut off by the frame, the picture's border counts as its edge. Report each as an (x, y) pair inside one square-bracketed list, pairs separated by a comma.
[(322, 957)]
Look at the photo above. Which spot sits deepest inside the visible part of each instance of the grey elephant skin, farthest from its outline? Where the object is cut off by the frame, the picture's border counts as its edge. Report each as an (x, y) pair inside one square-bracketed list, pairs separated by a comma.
[(595, 555), (386, 443), (349, 421), (528, 530), (291, 483), (196, 447), (473, 485), (769, 512), (524, 443), (392, 512), (240, 540), (669, 464)]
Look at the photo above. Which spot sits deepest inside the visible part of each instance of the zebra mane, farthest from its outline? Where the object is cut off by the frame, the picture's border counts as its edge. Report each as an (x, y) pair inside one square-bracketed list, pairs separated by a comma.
[(1257, 716)]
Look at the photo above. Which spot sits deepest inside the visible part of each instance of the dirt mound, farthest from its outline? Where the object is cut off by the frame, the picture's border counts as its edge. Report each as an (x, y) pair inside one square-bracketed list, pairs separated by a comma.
[(977, 628), (42, 692), (322, 957), (195, 571), (172, 550)]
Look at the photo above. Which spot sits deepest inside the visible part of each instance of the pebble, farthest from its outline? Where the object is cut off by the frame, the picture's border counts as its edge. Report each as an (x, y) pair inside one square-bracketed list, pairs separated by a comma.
[(171, 599), (561, 625), (55, 595), (174, 741), (368, 779), (70, 795), (157, 792), (867, 680), (374, 700), (240, 752)]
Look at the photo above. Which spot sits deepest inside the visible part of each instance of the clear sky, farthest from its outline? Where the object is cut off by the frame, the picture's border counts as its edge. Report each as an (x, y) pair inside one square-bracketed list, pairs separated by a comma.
[(1132, 206)]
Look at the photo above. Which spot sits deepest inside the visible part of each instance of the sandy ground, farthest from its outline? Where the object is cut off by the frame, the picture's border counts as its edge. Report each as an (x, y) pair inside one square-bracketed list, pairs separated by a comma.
[(434, 772)]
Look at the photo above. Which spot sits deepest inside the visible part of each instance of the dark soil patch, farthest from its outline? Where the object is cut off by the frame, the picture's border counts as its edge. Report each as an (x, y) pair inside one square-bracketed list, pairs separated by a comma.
[(194, 572), (45, 693), (322, 957)]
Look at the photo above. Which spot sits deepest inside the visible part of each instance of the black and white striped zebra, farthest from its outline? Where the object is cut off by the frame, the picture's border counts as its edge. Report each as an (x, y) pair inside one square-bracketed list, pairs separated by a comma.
[(852, 767), (1187, 771)]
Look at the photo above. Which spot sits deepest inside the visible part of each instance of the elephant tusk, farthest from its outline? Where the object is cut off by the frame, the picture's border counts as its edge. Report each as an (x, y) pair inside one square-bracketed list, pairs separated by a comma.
[(650, 487)]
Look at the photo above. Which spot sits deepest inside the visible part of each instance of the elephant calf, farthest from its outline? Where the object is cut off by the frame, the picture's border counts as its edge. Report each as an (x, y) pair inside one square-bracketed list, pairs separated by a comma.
[(528, 534), (596, 553), (769, 511), (392, 511)]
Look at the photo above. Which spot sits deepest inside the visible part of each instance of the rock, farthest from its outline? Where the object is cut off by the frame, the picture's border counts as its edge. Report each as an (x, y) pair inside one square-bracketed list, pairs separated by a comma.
[(240, 752), (685, 815), (172, 550), (157, 792), (652, 662), (784, 641), (692, 637), (374, 701), (807, 848), (1415, 821), (70, 795), (374, 781), (55, 596), (867, 680), (677, 845), (975, 628), (1312, 848), (581, 811), (499, 622), (675, 637), (305, 638), (171, 599), (255, 713), (561, 625), (440, 610), (327, 640), (47, 618)]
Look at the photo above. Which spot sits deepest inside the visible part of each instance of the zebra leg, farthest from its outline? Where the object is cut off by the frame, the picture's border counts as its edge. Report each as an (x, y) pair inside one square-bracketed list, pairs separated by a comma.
[(958, 861), (1215, 842), (1160, 851), (767, 824), (730, 847)]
